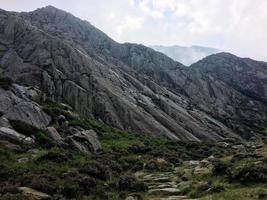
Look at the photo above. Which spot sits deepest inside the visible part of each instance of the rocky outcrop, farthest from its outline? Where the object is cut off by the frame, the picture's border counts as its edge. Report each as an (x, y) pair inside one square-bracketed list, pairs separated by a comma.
[(128, 86), (15, 104)]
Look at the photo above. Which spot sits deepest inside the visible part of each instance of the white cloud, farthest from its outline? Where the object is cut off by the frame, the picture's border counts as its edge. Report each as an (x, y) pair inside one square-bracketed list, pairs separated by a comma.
[(145, 6)]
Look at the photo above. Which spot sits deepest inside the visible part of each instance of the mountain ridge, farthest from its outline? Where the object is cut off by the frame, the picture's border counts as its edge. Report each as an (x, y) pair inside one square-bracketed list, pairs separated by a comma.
[(128, 86)]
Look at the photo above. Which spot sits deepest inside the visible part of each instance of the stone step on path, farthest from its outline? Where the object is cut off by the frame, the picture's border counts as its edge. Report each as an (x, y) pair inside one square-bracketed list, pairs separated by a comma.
[(177, 198), (163, 187)]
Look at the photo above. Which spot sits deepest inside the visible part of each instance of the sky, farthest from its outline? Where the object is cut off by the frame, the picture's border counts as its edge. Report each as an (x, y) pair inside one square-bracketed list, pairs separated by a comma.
[(235, 26)]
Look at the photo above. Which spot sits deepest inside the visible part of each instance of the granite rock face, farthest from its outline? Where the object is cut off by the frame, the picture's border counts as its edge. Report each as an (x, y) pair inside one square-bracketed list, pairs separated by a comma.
[(16, 104), (130, 86)]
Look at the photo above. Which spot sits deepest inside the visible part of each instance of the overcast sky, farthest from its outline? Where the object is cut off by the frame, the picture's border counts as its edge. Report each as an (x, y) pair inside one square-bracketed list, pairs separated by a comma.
[(236, 26)]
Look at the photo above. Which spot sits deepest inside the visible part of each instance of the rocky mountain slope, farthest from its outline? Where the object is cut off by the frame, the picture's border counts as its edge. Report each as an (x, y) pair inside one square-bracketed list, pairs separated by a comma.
[(130, 86), (186, 55)]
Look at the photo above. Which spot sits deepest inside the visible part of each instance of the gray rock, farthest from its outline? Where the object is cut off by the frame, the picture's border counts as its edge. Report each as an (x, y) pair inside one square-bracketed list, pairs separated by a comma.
[(130, 86), (239, 148), (164, 191), (4, 122), (32, 194), (12, 136), (84, 141), (52, 132), (17, 106)]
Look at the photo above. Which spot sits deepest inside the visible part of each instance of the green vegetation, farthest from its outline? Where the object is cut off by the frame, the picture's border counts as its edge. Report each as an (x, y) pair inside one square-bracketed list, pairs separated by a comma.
[(113, 173), (28, 130)]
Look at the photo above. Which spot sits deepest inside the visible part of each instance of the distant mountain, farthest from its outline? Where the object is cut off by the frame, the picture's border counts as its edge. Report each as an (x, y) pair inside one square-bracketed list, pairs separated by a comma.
[(186, 55)]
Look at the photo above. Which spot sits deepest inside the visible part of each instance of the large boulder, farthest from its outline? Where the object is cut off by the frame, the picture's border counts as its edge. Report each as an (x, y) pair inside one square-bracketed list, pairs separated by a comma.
[(85, 141), (8, 134)]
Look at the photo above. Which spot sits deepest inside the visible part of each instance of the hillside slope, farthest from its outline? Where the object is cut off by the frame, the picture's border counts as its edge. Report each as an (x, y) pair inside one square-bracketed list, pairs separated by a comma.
[(128, 86)]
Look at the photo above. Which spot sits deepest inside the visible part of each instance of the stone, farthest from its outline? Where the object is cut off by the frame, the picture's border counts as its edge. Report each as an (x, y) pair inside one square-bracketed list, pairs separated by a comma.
[(4, 122), (204, 163), (223, 144), (192, 162), (14, 137), (164, 191), (32, 194), (52, 132), (11, 146), (239, 148), (85, 141), (132, 198)]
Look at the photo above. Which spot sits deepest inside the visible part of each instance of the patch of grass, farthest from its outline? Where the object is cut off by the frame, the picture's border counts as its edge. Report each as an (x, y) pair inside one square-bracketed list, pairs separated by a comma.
[(234, 192), (55, 109), (112, 138)]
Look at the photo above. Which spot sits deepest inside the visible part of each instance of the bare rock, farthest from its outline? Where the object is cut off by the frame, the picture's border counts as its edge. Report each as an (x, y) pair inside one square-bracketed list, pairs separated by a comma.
[(32, 194), (52, 132), (14, 137), (85, 141), (17, 106)]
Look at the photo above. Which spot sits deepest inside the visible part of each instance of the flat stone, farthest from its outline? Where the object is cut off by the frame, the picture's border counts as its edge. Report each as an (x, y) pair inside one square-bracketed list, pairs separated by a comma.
[(13, 136), (165, 191), (32, 194)]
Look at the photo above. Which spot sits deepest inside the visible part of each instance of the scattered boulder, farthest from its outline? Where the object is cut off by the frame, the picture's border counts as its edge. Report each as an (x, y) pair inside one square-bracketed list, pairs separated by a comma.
[(223, 144), (85, 141), (13, 136), (192, 162), (52, 132), (32, 194), (165, 191), (239, 148)]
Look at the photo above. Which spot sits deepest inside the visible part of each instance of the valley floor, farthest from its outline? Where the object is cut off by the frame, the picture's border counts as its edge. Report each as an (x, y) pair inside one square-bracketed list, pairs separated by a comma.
[(129, 166)]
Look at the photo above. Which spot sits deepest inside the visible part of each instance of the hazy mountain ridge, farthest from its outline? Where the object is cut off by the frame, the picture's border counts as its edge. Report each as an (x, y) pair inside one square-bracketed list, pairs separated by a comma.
[(186, 55), (130, 86)]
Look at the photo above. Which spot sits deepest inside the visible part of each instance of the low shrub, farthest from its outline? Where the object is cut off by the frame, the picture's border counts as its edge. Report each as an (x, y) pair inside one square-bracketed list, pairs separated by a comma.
[(250, 173), (96, 170), (24, 128), (55, 155), (219, 167), (130, 183)]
